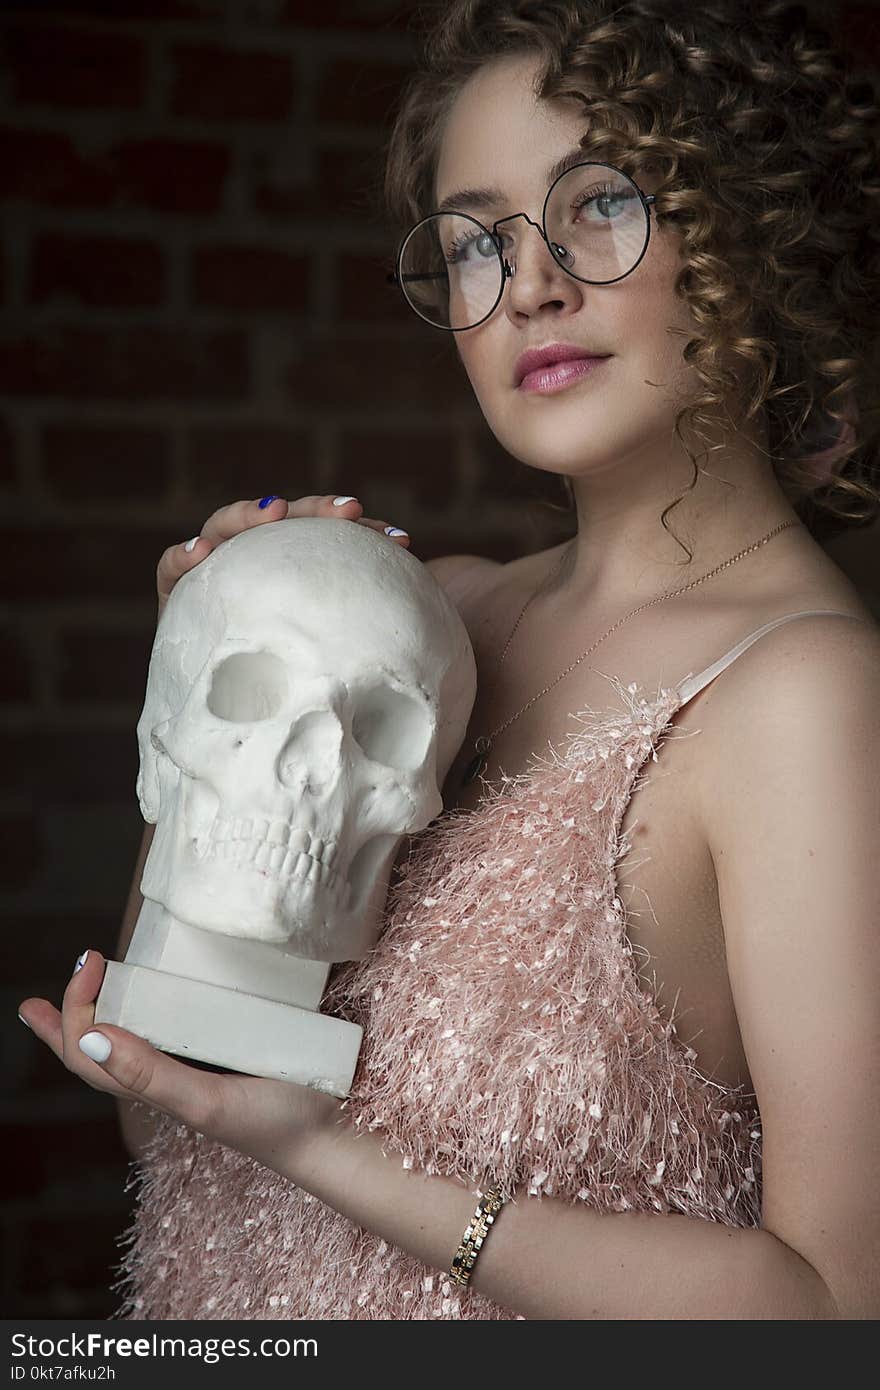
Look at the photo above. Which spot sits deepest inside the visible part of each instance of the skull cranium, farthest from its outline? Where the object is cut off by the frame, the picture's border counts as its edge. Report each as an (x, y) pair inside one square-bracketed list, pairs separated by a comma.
[(309, 687)]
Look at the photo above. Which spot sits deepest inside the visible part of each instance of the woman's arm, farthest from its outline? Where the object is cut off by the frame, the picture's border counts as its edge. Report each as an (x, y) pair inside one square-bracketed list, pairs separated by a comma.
[(548, 1259)]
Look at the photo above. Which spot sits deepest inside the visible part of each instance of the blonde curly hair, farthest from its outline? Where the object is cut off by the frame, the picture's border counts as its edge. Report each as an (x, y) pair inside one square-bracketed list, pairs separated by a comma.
[(767, 143)]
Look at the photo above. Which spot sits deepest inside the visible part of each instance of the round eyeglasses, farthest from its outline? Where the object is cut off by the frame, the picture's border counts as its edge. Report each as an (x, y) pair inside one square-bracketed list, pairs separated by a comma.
[(452, 270)]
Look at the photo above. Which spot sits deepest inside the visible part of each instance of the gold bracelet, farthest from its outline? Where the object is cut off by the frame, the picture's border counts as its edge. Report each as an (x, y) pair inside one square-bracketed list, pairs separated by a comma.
[(465, 1257)]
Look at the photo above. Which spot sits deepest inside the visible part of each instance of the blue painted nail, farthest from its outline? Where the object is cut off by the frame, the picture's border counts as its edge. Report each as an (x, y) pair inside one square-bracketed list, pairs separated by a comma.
[(264, 501)]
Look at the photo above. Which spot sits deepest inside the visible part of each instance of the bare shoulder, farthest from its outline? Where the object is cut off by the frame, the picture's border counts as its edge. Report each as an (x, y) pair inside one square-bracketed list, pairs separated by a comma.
[(807, 683), (822, 652), (462, 575)]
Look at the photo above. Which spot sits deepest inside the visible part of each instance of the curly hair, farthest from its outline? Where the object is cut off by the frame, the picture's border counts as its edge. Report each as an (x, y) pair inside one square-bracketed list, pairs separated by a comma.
[(767, 144)]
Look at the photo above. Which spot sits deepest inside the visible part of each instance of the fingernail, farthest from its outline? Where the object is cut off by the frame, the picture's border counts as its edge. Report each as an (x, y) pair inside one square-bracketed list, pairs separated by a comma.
[(80, 961), (96, 1046), (341, 501), (395, 531), (24, 1021), (264, 501), (191, 545)]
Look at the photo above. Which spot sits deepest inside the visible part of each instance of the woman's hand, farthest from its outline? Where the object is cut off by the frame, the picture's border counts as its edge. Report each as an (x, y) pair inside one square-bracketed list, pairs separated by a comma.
[(270, 1121), (239, 516)]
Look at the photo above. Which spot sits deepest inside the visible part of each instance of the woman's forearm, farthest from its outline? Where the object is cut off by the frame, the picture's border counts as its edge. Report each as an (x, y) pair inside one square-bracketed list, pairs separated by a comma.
[(547, 1259)]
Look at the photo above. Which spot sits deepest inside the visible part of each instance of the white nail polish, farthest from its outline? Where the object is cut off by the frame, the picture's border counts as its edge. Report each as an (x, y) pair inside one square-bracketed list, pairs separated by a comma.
[(341, 501), (191, 545), (80, 961), (24, 1021), (395, 531), (96, 1046)]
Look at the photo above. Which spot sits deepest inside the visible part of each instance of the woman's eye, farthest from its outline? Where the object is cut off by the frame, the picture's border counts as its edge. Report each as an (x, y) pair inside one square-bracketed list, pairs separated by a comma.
[(484, 244)]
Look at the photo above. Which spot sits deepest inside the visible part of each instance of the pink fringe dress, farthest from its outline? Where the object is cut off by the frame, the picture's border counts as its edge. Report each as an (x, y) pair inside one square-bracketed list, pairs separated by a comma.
[(506, 1036)]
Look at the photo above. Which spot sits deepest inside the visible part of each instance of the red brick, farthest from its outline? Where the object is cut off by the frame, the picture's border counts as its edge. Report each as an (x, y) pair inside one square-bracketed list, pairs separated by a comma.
[(363, 292), (207, 11), (420, 463), (251, 278), (81, 767), (389, 373), (185, 176), (8, 468), (343, 182), (143, 363), (57, 65), (359, 93), (87, 463), (24, 852), (84, 562), (102, 664), (97, 270), (16, 683), (180, 176), (212, 82), (226, 463), (44, 167), (377, 16)]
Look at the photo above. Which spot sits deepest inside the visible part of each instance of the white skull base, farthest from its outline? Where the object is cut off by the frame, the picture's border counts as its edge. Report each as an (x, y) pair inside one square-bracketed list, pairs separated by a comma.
[(309, 687)]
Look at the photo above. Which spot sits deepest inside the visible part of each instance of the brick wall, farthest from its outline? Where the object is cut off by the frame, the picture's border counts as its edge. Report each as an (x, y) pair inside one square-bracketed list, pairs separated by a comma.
[(195, 310), (192, 283)]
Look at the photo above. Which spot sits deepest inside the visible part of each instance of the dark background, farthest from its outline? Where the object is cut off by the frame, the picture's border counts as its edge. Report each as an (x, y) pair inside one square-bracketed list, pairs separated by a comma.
[(192, 287)]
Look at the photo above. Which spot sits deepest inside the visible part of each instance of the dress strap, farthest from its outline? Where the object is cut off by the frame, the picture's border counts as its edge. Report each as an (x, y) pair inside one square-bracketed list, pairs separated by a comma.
[(693, 684)]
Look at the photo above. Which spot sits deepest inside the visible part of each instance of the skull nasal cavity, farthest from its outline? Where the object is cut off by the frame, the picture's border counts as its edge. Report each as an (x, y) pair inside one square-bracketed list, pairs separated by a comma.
[(247, 686)]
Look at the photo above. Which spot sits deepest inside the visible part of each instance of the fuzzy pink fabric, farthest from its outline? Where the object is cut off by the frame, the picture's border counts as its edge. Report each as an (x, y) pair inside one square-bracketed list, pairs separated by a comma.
[(506, 1037)]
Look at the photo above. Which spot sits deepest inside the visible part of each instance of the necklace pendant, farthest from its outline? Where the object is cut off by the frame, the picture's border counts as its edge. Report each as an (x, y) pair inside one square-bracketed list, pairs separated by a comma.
[(476, 765)]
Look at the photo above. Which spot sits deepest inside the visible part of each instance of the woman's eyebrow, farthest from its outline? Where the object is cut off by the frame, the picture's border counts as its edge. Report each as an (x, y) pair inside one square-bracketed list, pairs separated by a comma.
[(491, 197)]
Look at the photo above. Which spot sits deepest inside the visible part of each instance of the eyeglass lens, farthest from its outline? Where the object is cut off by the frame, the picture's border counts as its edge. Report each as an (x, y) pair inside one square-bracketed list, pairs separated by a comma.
[(451, 270)]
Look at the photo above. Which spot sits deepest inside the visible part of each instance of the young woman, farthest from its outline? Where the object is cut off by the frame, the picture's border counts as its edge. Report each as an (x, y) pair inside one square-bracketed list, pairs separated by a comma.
[(626, 992)]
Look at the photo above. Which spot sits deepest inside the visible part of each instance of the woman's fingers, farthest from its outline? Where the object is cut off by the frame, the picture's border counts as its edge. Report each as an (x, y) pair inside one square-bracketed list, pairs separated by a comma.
[(61, 1031), (114, 1060), (175, 561), (324, 504), (236, 517), (221, 525), (344, 509)]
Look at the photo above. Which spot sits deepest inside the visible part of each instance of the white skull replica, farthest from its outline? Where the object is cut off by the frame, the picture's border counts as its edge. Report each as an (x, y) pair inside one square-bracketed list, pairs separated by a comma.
[(309, 687)]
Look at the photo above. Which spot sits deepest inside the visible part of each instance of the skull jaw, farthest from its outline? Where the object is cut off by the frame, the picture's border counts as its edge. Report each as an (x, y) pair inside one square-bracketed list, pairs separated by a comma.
[(301, 911)]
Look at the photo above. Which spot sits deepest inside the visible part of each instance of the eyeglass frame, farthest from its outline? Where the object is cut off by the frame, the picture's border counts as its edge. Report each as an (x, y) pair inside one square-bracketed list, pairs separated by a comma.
[(507, 272)]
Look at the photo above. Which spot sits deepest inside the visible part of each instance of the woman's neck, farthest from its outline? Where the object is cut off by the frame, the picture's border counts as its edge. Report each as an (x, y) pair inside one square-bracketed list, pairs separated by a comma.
[(623, 553)]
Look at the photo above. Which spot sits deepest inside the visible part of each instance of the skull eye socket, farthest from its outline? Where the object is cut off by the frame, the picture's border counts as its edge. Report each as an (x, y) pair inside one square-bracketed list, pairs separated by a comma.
[(392, 728), (247, 687)]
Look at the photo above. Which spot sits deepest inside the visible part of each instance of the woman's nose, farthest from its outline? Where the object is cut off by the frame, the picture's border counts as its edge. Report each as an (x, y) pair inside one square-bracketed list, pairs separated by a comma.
[(536, 274)]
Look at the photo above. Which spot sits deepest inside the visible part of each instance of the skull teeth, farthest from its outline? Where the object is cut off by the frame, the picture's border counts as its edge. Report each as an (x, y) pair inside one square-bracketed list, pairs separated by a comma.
[(277, 849), (274, 833)]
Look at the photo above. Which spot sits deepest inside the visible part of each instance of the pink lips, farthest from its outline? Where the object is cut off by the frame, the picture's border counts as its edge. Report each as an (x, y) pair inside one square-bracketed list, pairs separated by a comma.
[(555, 377)]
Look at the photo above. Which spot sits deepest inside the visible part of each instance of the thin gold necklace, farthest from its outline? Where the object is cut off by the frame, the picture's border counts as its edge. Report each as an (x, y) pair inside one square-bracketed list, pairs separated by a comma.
[(484, 743)]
